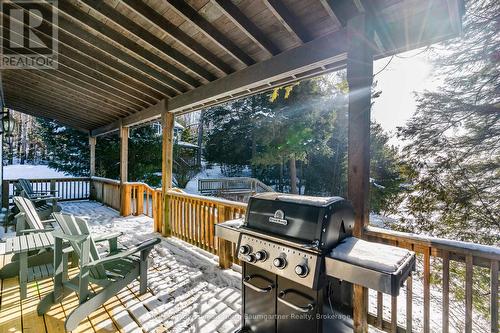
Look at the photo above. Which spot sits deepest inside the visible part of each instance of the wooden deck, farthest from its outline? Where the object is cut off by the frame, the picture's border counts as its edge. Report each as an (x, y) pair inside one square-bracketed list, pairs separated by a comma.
[(18, 315)]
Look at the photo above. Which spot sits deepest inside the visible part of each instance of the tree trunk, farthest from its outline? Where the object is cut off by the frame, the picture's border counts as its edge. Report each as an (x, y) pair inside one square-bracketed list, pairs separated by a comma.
[(281, 176), (293, 176)]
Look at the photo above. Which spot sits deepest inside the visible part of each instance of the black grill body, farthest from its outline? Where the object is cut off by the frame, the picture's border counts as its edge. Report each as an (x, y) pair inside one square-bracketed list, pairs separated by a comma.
[(319, 222)]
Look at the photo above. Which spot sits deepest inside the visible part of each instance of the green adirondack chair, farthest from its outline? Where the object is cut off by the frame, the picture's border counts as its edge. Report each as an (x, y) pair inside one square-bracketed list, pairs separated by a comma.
[(45, 201), (113, 272), (28, 220)]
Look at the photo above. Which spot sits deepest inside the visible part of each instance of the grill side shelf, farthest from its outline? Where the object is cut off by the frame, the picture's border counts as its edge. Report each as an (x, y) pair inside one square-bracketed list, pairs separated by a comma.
[(385, 282)]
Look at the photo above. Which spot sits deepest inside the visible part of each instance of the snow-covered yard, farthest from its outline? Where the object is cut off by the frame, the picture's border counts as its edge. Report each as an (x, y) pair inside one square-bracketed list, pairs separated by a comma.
[(26, 171)]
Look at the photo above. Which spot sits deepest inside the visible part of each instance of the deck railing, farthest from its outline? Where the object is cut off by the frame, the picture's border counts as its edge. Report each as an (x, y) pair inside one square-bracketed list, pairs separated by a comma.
[(193, 218), (106, 191), (207, 186), (74, 188)]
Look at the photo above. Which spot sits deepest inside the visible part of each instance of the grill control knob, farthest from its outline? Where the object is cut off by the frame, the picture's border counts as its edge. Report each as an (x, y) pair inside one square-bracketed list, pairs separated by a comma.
[(301, 270), (261, 255), (279, 262), (249, 258), (245, 249)]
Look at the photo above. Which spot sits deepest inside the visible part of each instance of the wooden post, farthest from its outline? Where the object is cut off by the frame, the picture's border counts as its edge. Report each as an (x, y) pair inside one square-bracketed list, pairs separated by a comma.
[(360, 78), (92, 143), (224, 249), (139, 200), (124, 188), (5, 193), (167, 121)]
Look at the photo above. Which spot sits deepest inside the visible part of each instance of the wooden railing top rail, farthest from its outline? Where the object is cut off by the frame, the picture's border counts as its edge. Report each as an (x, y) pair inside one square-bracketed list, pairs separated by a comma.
[(459, 247), (106, 180), (227, 203), (60, 179)]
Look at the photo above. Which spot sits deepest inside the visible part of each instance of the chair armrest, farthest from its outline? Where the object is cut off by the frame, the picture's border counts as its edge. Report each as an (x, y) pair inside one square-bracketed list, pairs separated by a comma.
[(105, 237), (146, 245), (70, 238), (32, 231)]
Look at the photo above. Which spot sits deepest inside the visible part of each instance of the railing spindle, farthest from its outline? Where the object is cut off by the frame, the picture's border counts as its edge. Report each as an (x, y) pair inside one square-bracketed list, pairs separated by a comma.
[(468, 293), (427, 294), (409, 304), (380, 309), (494, 296), (394, 314), (446, 292)]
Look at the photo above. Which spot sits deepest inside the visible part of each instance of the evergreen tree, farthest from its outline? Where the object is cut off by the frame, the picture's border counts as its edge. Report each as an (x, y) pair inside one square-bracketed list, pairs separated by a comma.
[(454, 137), (67, 149)]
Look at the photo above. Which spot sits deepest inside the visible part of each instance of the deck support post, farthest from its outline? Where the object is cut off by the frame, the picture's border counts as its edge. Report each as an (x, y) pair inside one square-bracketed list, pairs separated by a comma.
[(360, 79), (92, 144), (124, 188), (167, 122)]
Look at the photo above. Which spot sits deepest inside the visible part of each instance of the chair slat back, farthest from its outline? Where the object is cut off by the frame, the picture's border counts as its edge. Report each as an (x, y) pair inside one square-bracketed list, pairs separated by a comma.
[(26, 206), (72, 225), (26, 186)]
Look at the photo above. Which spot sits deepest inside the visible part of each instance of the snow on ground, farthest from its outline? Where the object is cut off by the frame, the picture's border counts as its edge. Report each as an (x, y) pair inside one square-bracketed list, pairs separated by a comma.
[(191, 294), (17, 171)]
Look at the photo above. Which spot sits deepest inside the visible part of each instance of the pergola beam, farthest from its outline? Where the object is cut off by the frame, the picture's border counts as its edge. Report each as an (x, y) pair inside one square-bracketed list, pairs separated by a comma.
[(289, 21), (191, 15), (248, 27)]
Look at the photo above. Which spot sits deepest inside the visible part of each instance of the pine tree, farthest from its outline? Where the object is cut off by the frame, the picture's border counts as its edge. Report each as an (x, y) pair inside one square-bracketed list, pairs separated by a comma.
[(454, 137)]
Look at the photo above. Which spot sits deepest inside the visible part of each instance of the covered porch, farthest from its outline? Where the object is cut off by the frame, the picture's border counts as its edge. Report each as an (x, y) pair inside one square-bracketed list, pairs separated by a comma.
[(123, 63)]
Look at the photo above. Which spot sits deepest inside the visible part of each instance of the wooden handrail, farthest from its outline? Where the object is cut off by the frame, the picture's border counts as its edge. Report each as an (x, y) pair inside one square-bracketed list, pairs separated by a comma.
[(459, 247), (68, 188)]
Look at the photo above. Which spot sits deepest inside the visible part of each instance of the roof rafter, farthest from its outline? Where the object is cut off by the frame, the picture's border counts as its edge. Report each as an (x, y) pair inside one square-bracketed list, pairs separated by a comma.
[(48, 87), (178, 35), (168, 51), (63, 102), (248, 27), (289, 21), (191, 15), (101, 45)]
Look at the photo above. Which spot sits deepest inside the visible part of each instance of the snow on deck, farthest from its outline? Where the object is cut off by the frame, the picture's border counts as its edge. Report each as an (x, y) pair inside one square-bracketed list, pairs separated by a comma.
[(188, 292)]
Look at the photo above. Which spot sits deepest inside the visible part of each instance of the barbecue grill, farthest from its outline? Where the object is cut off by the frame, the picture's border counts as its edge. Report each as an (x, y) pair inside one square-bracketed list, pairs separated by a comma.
[(300, 260)]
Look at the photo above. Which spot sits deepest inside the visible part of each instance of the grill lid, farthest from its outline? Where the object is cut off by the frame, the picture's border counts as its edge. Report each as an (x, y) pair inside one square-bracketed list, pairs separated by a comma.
[(322, 222)]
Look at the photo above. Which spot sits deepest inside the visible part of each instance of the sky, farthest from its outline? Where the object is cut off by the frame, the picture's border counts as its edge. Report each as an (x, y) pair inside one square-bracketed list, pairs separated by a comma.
[(406, 73)]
